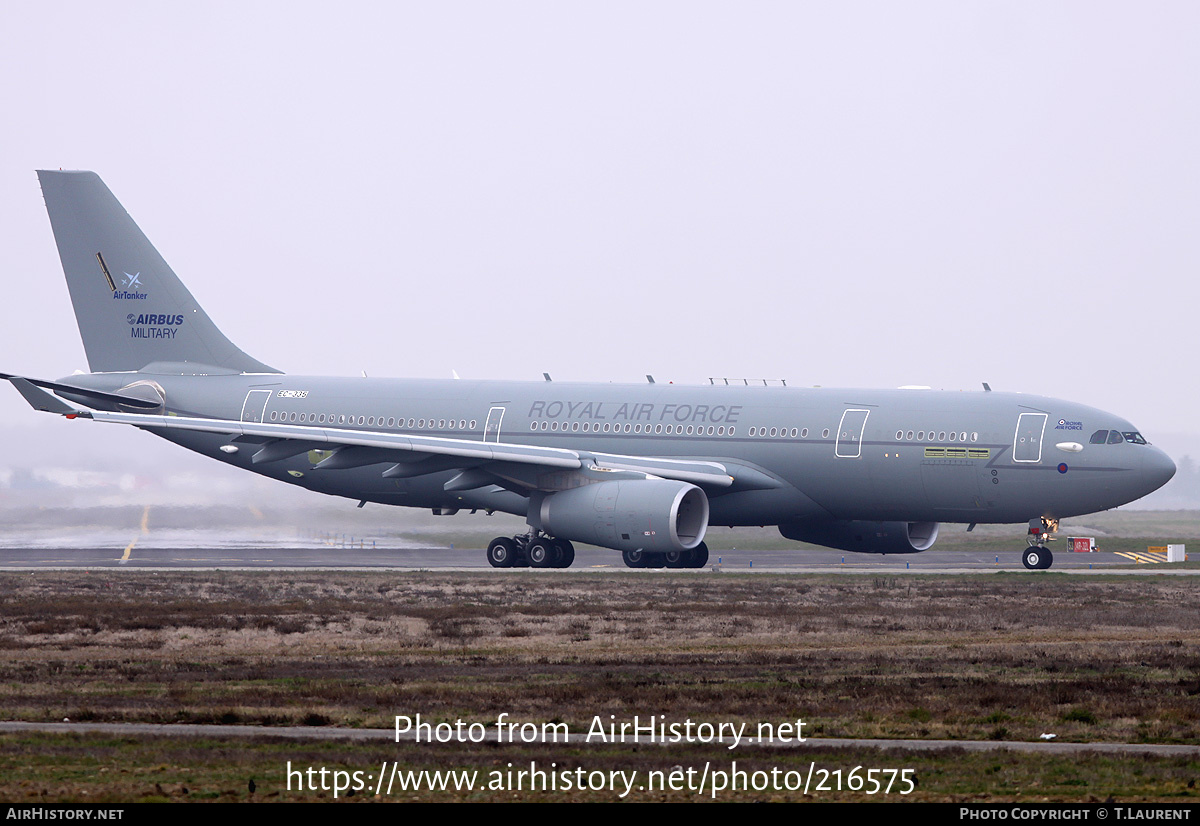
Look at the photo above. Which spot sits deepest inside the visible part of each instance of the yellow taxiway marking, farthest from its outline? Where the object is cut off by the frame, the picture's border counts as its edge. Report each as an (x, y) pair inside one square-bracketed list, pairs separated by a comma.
[(1147, 558)]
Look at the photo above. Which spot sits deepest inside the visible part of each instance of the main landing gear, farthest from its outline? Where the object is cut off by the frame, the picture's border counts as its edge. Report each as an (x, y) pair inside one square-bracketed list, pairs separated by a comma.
[(1037, 556), (530, 551), (697, 557)]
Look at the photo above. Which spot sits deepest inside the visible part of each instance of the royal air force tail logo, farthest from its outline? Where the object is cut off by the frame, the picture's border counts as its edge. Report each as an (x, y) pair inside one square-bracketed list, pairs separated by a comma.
[(131, 288)]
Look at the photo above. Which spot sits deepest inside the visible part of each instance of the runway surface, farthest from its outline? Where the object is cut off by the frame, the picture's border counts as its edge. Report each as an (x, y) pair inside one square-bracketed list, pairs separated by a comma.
[(318, 556)]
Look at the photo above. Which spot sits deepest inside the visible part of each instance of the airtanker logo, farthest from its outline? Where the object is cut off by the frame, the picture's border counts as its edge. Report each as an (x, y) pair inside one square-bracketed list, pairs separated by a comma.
[(133, 286)]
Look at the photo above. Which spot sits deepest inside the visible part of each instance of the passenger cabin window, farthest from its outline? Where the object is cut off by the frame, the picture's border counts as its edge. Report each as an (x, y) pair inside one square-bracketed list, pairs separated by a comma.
[(1099, 437)]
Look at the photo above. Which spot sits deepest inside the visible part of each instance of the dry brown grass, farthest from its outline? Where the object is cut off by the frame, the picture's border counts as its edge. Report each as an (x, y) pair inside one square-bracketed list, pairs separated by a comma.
[(1002, 656)]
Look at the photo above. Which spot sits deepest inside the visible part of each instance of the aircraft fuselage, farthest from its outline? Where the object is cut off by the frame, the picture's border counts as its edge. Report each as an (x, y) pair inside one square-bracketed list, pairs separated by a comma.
[(842, 454)]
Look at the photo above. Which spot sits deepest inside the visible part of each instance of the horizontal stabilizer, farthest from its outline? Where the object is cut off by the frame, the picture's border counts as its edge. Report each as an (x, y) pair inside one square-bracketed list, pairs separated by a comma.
[(93, 395), (40, 399)]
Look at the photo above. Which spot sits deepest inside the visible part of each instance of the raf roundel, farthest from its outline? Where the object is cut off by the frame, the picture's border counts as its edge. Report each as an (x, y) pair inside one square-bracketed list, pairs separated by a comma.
[(1062, 468)]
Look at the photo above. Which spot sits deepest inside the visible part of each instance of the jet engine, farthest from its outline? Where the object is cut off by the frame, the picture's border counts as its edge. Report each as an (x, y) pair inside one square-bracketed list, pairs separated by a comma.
[(865, 537), (655, 515)]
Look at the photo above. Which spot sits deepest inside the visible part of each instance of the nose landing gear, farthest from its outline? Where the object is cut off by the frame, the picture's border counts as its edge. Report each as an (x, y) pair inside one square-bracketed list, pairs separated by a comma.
[(1037, 556)]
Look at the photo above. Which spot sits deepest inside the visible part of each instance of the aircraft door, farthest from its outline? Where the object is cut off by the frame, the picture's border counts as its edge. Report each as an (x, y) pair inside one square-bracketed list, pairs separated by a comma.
[(850, 432), (254, 409), (491, 430), (1027, 443)]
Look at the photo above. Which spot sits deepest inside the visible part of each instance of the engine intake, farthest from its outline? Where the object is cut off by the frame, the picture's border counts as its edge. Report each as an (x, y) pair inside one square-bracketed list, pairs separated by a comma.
[(653, 515)]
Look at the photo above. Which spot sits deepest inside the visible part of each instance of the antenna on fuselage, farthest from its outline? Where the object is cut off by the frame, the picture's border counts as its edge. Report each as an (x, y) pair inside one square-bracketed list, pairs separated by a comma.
[(986, 388), (547, 375)]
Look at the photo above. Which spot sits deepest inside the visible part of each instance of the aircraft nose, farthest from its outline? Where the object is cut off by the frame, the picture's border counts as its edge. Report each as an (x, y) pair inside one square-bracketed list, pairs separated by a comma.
[(1157, 469)]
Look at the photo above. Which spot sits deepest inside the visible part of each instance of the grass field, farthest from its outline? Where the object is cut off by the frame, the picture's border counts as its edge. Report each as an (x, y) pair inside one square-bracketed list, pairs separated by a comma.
[(999, 657)]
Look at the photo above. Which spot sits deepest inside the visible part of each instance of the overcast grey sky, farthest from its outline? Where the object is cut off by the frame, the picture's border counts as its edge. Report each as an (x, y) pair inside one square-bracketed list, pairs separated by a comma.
[(854, 194)]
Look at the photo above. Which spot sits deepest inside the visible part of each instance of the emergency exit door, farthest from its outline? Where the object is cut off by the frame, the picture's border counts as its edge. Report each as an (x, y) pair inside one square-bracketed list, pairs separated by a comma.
[(850, 433), (254, 409), (491, 430), (1027, 443)]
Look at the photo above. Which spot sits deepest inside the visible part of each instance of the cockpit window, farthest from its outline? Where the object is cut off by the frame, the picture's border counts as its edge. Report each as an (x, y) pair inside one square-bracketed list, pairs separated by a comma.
[(1115, 437)]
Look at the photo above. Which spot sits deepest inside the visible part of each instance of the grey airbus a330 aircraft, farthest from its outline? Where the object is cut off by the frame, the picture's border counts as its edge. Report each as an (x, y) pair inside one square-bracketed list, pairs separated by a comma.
[(643, 469)]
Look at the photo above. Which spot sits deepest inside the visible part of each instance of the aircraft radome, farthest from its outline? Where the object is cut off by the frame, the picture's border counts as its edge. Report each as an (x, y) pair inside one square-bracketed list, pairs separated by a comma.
[(642, 468)]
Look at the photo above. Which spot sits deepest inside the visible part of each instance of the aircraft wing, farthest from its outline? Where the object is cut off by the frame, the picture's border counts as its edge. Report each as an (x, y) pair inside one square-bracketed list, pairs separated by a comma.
[(277, 441)]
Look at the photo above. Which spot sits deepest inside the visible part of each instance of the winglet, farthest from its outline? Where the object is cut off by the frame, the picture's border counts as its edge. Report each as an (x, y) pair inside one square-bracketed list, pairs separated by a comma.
[(41, 400)]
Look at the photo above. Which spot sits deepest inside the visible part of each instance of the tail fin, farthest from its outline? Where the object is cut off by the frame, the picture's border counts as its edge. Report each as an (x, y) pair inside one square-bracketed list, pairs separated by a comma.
[(131, 308)]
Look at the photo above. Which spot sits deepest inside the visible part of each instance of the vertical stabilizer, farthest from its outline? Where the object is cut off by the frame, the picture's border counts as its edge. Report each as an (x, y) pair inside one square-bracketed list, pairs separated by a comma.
[(131, 308)]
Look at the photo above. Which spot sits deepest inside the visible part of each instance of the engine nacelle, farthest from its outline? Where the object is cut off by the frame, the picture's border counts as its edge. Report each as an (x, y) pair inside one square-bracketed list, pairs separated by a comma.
[(866, 537), (653, 515)]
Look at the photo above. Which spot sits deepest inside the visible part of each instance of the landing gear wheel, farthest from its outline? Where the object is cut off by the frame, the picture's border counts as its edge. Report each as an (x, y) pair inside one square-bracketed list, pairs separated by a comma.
[(542, 553), (1037, 558), (634, 559), (566, 553), (502, 552), (656, 560), (677, 559), (699, 556)]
